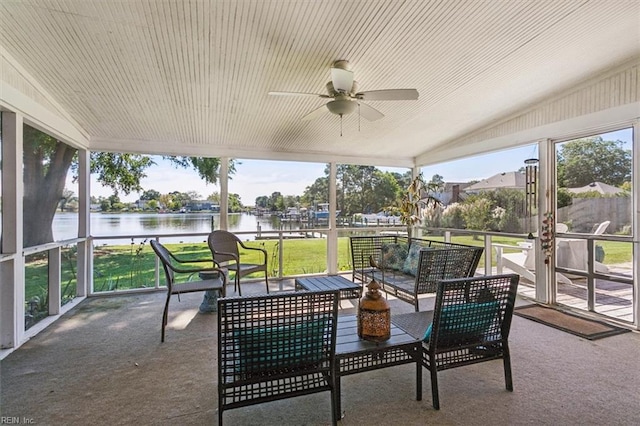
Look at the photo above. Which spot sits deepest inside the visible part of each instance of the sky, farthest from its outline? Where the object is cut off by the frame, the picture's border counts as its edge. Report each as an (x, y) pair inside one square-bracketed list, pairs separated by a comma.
[(254, 178)]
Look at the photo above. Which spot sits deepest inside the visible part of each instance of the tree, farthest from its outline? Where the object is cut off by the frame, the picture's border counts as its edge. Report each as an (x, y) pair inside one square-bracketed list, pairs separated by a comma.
[(235, 206), (360, 189), (317, 192), (477, 213), (166, 200), (587, 160), (403, 179), (47, 162), (262, 202), (150, 194), (68, 197), (437, 180), (276, 202), (105, 205), (371, 190), (214, 197)]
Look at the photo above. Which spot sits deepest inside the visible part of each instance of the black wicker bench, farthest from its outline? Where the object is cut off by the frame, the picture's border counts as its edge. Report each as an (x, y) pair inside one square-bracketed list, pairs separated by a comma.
[(470, 323), (434, 260), (276, 346)]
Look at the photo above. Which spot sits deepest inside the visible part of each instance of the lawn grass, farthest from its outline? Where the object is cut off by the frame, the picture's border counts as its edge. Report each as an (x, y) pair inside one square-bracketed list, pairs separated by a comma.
[(121, 267)]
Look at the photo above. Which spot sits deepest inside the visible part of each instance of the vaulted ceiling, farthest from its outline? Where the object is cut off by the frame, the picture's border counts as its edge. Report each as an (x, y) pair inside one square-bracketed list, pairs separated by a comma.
[(192, 77)]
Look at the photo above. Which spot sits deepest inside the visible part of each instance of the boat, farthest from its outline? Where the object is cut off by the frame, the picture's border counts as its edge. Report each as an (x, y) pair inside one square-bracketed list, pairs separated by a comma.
[(292, 215), (322, 211), (378, 218)]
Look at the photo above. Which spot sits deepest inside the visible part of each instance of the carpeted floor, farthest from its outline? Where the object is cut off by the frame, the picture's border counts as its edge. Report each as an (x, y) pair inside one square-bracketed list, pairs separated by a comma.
[(103, 364)]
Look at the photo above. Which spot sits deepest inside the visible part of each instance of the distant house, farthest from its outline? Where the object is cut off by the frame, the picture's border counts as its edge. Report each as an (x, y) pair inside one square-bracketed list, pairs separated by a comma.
[(453, 192), (599, 187), (197, 206), (141, 204), (505, 180)]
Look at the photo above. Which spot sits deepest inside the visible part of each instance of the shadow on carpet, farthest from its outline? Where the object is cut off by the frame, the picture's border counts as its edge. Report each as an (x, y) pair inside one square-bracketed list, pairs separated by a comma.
[(570, 323)]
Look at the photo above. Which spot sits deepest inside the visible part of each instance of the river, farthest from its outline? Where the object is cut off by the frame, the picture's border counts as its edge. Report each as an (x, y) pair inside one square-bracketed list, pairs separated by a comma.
[(65, 225)]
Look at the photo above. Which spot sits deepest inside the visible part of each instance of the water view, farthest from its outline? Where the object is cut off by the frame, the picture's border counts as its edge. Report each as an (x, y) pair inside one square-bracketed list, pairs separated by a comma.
[(65, 225)]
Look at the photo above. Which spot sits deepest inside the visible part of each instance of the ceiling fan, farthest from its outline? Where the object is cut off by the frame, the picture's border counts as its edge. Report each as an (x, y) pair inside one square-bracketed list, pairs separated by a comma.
[(343, 89)]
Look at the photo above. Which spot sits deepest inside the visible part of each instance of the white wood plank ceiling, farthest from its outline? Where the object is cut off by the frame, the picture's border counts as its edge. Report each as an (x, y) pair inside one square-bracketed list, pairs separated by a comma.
[(192, 77)]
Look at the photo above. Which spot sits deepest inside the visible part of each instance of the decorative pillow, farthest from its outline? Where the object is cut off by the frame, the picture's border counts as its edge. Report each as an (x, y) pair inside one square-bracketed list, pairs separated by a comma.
[(413, 258), (465, 319), (392, 256), (270, 348)]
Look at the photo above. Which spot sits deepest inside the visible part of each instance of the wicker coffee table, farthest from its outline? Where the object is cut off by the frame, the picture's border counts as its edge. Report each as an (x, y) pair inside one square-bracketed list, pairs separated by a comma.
[(355, 355)]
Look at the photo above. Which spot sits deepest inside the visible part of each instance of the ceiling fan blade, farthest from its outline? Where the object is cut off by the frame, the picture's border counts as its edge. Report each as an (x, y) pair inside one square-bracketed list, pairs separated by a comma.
[(315, 113), (342, 79), (389, 95), (369, 112), (317, 95)]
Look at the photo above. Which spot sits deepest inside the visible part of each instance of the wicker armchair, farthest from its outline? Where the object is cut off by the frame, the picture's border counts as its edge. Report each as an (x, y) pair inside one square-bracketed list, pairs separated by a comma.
[(172, 265), (273, 347), (470, 324), (225, 246)]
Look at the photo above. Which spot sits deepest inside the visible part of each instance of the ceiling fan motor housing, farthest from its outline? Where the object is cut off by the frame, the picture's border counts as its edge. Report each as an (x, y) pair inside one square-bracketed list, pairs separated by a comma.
[(333, 92)]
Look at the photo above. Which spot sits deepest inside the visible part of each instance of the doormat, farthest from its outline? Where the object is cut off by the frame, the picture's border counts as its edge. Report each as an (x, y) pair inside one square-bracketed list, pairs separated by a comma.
[(582, 327)]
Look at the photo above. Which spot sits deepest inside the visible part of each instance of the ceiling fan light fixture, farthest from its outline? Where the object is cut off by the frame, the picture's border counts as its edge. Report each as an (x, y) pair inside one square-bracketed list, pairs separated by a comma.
[(342, 107)]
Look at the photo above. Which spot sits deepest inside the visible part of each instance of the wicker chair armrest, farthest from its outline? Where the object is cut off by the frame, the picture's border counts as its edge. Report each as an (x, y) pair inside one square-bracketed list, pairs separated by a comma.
[(187, 270), (225, 253), (179, 260), (253, 248)]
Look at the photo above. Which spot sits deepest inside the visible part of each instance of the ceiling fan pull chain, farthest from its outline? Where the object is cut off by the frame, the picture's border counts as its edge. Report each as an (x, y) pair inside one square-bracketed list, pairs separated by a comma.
[(359, 116), (340, 125)]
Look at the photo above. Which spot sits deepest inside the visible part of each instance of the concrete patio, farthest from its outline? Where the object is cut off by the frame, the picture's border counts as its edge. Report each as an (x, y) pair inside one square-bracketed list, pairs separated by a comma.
[(103, 363)]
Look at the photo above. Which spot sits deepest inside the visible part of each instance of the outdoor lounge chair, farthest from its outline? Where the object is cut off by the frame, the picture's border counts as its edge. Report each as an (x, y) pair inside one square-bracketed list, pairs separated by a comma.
[(276, 346), (225, 247), (172, 265), (571, 253), (470, 323)]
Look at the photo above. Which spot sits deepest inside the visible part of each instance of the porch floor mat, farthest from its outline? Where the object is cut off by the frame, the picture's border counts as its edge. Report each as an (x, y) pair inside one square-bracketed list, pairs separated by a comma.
[(570, 323)]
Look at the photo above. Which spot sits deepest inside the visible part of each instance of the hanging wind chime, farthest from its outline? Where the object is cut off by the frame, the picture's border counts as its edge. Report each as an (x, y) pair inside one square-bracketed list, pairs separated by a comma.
[(531, 199)]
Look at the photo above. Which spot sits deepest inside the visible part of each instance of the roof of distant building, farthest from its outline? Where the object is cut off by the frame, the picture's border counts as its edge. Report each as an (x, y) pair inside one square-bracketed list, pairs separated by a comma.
[(512, 180), (600, 187)]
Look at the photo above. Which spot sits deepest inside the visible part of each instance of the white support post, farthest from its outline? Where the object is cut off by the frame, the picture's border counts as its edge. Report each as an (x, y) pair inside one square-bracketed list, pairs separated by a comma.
[(55, 264), (224, 193), (488, 267), (12, 292), (545, 283), (417, 229), (635, 224), (84, 261), (332, 235)]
